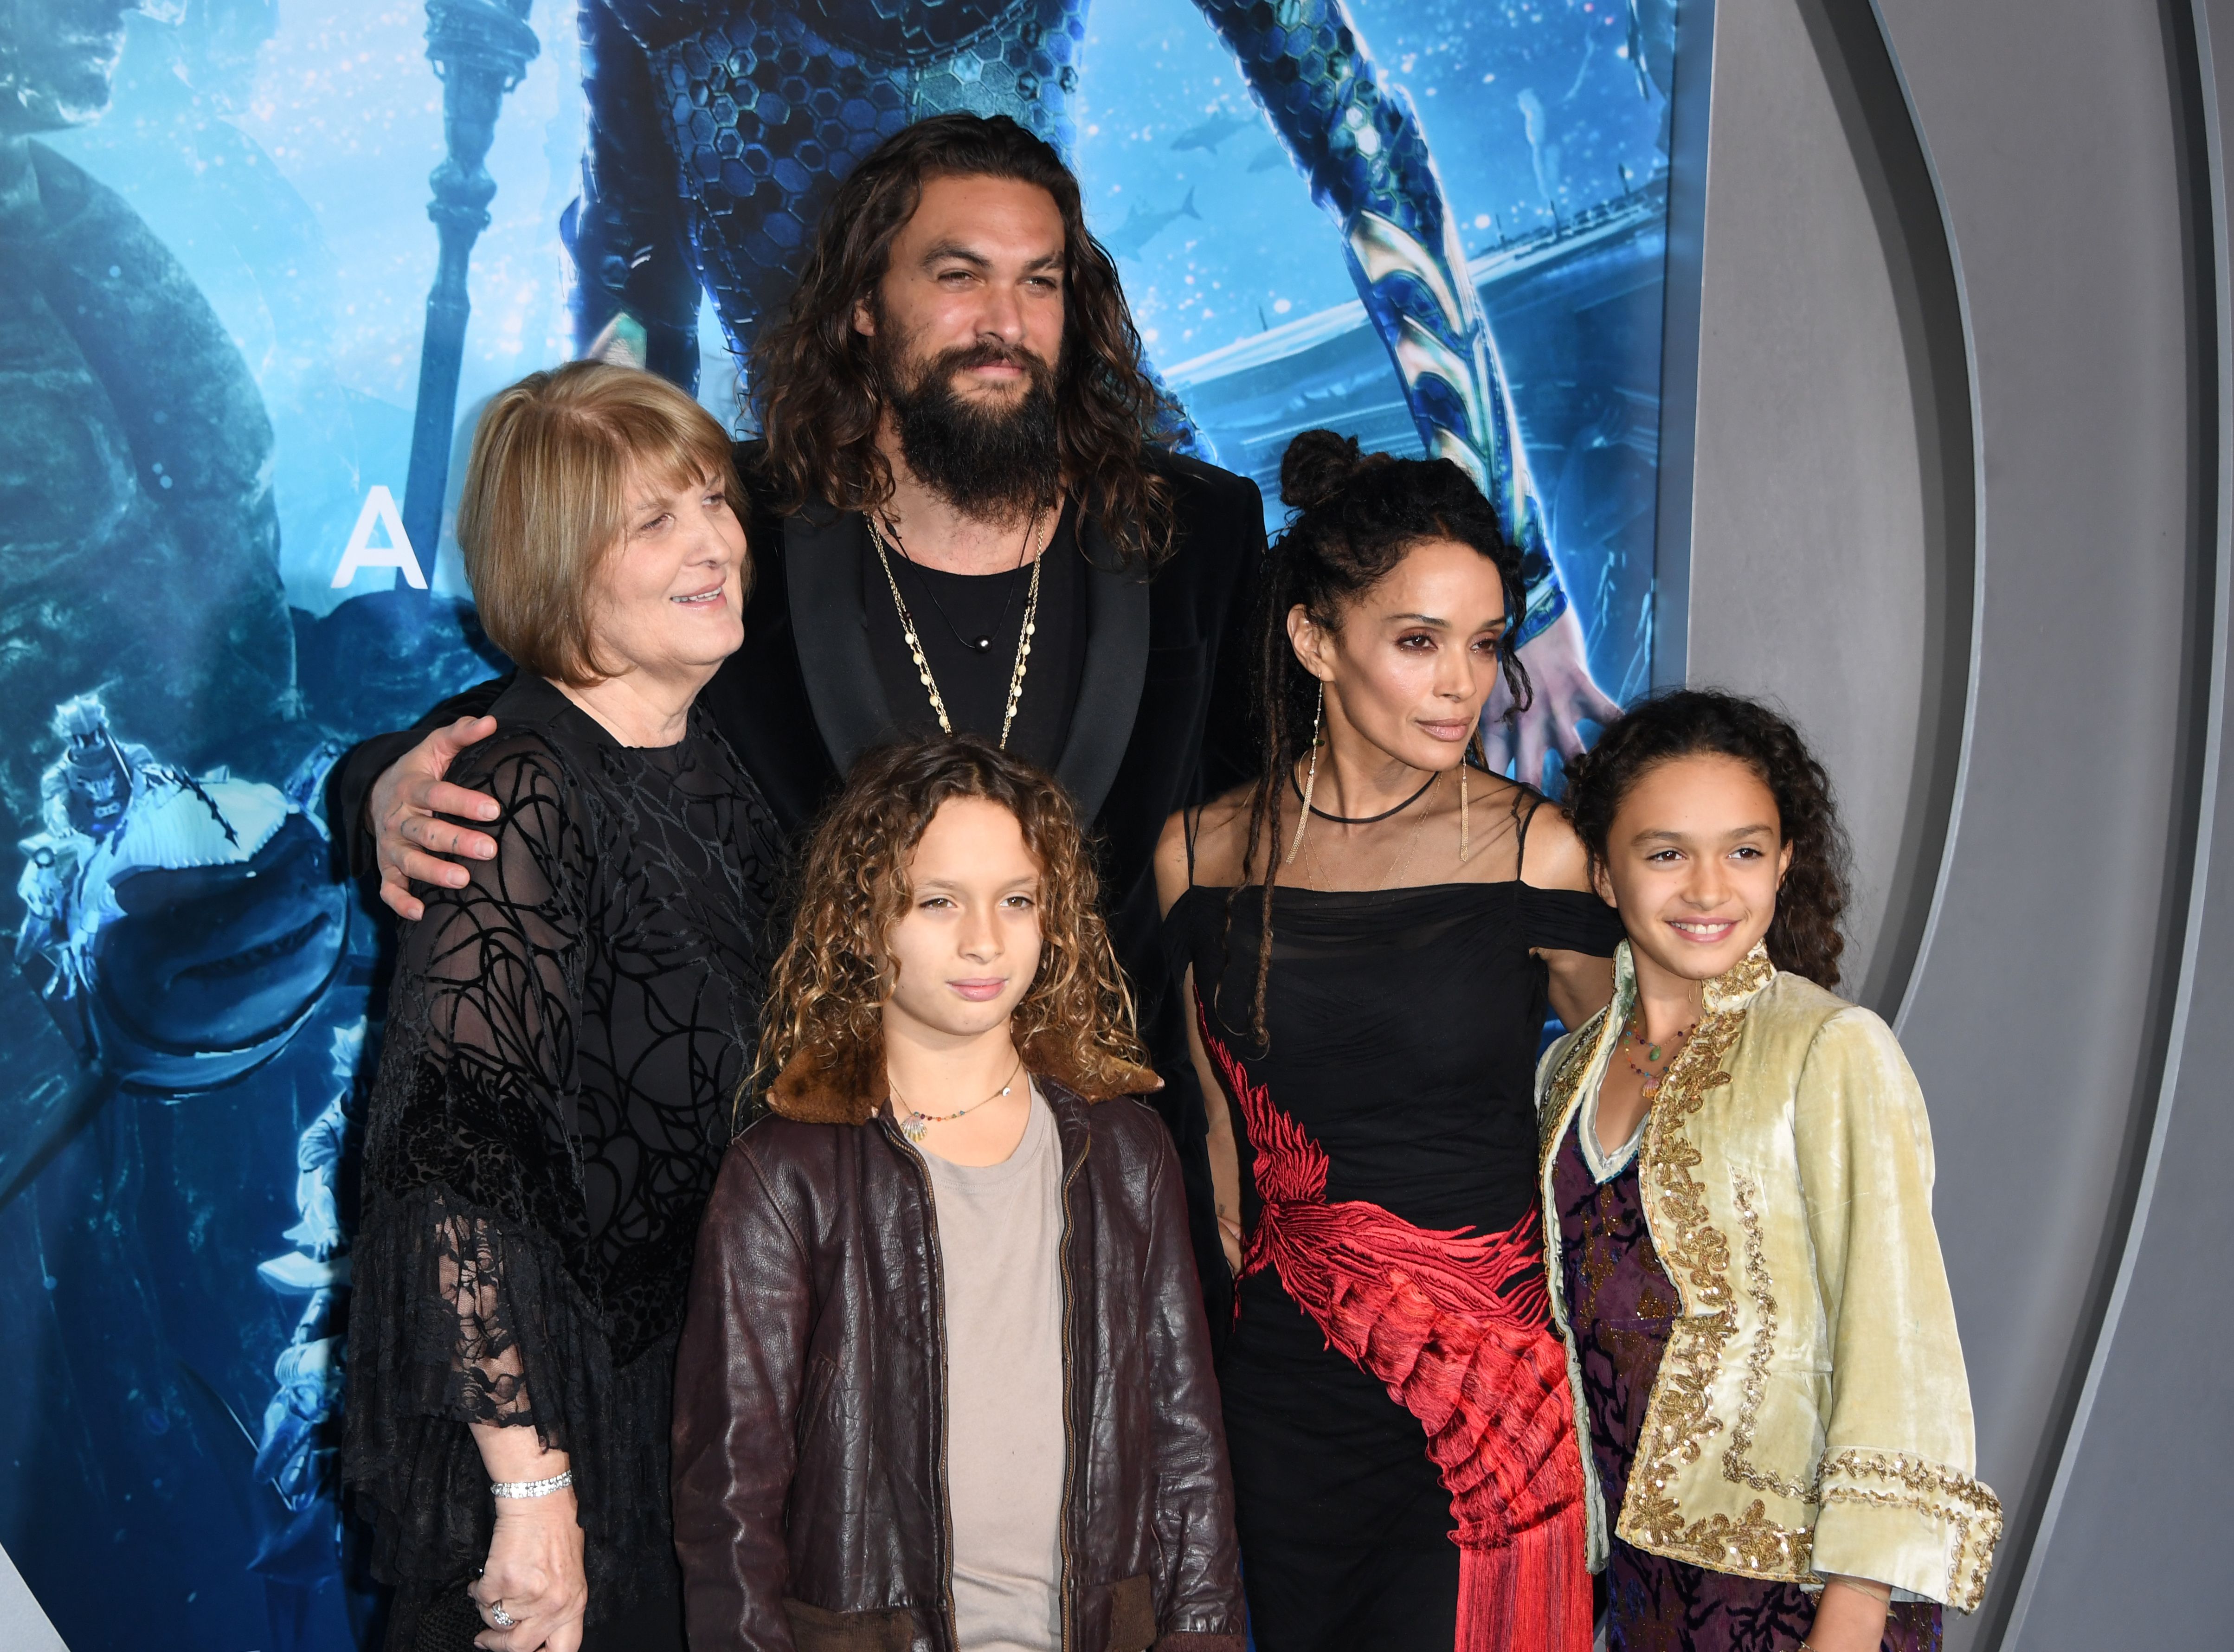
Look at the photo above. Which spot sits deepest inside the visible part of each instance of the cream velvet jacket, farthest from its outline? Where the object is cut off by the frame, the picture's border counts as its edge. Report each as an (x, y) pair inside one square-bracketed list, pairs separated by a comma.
[(1811, 1416)]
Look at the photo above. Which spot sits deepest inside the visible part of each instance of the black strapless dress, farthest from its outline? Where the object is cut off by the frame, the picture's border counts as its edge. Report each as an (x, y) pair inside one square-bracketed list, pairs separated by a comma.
[(1404, 1027)]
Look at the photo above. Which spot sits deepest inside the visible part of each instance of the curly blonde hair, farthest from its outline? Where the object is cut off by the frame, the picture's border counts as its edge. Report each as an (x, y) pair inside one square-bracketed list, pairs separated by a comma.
[(824, 1025)]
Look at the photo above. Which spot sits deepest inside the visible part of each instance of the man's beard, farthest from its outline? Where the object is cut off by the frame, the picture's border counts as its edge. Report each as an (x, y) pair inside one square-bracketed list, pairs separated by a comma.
[(987, 461)]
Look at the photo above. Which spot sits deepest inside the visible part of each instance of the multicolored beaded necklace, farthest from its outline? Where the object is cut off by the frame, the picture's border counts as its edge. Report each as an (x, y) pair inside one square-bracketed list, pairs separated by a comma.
[(1632, 1041)]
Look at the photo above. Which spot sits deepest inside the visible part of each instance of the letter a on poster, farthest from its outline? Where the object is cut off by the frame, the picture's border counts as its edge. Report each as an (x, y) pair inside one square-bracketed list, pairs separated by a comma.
[(361, 552)]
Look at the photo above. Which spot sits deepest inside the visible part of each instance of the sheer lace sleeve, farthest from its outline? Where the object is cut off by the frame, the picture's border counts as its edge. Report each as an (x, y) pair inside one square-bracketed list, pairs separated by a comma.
[(563, 1036), (469, 1289), (490, 980), (481, 1041), (462, 1308)]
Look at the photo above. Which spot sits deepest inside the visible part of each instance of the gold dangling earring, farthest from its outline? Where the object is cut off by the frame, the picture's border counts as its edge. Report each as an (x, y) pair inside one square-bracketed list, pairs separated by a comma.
[(1464, 842), (1310, 779)]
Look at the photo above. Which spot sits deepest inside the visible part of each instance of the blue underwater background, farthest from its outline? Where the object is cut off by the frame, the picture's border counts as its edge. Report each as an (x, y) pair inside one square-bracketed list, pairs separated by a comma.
[(221, 294)]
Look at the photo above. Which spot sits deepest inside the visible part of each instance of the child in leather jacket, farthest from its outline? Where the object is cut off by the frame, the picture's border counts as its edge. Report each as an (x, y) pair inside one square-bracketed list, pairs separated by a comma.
[(945, 1380)]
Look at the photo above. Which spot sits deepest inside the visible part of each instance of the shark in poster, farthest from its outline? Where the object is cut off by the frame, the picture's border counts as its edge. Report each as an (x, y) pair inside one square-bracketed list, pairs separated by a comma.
[(1440, 224)]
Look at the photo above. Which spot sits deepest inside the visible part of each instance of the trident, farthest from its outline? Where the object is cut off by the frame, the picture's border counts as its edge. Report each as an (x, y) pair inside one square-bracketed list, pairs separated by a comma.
[(480, 49)]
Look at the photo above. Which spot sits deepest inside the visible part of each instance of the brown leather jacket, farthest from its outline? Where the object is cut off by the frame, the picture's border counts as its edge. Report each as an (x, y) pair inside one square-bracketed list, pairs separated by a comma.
[(810, 1490)]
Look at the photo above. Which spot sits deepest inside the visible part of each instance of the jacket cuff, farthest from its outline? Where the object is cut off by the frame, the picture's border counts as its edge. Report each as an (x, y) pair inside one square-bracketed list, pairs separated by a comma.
[(1190, 1640), (1899, 1519)]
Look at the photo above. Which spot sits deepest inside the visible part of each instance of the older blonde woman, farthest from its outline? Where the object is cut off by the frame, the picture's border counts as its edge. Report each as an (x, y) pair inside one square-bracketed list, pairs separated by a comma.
[(565, 1033)]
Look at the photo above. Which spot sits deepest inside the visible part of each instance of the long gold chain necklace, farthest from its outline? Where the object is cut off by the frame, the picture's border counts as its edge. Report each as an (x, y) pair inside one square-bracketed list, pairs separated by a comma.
[(915, 642)]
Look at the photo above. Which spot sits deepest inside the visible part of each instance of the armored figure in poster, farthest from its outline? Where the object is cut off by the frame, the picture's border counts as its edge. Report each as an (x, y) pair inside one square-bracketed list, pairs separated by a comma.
[(178, 923), (718, 129), (138, 547), (179, 927)]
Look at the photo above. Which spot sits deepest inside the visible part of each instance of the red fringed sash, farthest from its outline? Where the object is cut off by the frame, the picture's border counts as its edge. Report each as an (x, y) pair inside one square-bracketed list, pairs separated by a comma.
[(1429, 1314)]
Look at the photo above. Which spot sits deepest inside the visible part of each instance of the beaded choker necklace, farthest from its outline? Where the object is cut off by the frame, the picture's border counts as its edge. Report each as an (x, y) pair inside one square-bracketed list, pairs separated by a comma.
[(916, 1126)]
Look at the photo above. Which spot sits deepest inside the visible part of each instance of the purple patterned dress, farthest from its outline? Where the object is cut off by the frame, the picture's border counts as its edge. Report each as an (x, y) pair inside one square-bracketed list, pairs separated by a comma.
[(1621, 1304)]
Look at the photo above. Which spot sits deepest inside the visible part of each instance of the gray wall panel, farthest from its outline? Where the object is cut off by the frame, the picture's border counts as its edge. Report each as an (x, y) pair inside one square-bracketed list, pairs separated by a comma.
[(2139, 1534), (2041, 1004), (2030, 1018), (1807, 447), (2138, 1494)]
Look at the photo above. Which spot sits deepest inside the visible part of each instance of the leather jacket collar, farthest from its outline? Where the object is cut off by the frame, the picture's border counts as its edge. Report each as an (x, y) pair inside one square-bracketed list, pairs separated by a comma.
[(809, 1483)]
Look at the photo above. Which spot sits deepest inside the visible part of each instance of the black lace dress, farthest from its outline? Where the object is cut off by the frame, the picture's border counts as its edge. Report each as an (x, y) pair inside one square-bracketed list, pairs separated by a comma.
[(565, 1035)]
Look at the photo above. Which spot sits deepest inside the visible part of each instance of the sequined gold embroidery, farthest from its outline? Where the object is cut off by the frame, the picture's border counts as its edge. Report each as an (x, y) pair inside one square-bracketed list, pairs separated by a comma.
[(1566, 1084), (1677, 1421), (1596, 1262), (1696, 1257), (1747, 1192), (1890, 1480), (1679, 1418)]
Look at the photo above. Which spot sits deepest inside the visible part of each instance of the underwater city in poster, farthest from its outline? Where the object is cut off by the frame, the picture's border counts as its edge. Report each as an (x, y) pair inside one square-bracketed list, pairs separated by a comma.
[(218, 575)]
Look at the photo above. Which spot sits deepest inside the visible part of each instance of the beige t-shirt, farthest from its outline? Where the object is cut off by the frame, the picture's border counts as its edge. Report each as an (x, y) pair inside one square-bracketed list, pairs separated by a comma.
[(1000, 1232)]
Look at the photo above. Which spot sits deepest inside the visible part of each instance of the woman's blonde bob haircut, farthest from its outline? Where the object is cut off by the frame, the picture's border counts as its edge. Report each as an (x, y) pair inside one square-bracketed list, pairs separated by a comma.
[(546, 499)]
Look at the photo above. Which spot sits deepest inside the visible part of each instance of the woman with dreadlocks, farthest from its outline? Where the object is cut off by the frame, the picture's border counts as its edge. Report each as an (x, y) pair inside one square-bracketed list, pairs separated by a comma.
[(1396, 1402)]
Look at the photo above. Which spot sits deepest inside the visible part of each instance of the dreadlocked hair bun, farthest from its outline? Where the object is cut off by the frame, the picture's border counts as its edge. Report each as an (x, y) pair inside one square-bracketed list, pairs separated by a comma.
[(1319, 466), (1358, 516)]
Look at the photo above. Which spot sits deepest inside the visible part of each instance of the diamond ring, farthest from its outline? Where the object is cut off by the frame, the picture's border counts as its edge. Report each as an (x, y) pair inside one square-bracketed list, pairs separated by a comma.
[(502, 1618)]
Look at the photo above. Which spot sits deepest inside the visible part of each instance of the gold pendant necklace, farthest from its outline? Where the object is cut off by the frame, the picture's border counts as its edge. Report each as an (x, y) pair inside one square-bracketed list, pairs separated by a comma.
[(915, 642), (916, 1126)]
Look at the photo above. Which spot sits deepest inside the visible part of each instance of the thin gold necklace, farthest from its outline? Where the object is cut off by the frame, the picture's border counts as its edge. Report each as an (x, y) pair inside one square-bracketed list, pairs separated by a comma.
[(916, 1126), (915, 642), (1390, 878)]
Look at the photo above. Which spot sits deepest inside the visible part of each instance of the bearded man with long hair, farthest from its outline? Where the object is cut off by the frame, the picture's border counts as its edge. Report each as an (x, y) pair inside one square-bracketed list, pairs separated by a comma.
[(961, 522)]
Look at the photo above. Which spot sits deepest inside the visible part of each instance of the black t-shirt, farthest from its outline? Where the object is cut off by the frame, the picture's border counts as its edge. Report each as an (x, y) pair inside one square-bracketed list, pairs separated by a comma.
[(949, 608)]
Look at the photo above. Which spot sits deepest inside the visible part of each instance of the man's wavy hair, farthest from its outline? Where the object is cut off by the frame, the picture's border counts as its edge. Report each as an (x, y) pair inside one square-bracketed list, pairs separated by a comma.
[(814, 379), (1803, 936), (824, 1025)]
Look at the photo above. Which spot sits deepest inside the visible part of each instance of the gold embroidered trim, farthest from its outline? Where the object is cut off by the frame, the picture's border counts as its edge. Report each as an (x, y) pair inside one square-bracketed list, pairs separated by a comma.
[(1693, 1247), (1736, 986), (1679, 1418), (1746, 1192), (1678, 1421), (1751, 1545), (1931, 1489), (1566, 1080)]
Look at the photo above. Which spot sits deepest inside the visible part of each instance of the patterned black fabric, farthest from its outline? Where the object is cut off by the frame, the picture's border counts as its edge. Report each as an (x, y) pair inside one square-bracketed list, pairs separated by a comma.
[(566, 1037)]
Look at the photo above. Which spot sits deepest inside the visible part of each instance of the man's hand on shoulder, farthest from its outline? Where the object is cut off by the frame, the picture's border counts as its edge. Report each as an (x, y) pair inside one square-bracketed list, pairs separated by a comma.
[(404, 813), (1563, 698)]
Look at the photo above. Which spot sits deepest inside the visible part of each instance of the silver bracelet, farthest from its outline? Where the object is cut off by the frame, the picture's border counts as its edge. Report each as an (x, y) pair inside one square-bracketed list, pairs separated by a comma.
[(533, 1488)]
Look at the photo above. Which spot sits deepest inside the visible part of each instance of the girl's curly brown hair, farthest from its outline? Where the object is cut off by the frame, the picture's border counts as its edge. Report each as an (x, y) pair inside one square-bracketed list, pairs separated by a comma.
[(1803, 936), (824, 1026)]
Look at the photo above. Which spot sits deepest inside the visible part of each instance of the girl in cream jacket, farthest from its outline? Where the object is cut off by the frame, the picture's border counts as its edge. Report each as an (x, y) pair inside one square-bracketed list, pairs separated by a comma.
[(1737, 1194)]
